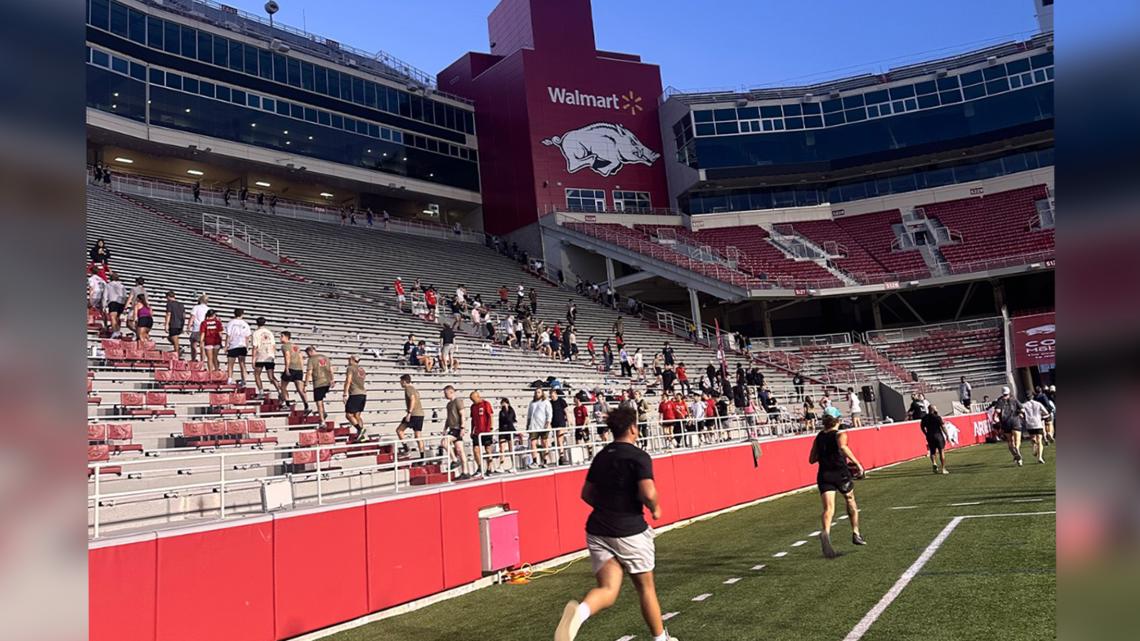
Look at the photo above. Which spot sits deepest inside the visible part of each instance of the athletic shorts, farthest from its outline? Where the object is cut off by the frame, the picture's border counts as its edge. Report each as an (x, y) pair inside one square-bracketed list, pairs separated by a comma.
[(507, 437), (1008, 427), (266, 365), (415, 423), (935, 444), (195, 336), (291, 375), (236, 352), (1034, 432), (319, 392), (115, 308), (842, 483), (581, 434), (146, 322), (636, 554), (355, 404), (483, 439), (455, 433), (602, 429), (448, 351), (174, 331)]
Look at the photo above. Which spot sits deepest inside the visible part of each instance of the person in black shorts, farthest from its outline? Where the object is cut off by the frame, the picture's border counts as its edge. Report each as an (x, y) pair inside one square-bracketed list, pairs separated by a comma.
[(354, 396), (294, 370), (619, 487), (319, 371), (1007, 412), (934, 429), (175, 322), (413, 416), (454, 431), (830, 451), (508, 420)]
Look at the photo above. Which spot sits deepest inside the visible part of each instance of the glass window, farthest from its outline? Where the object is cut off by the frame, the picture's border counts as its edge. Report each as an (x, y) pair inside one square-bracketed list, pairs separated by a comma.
[(189, 42), (370, 94), (206, 89), (875, 97), (706, 129), (703, 116), (432, 145), (925, 87), (398, 136), (137, 28), (138, 71), (947, 83), (794, 122), (1049, 73), (120, 25), (310, 114), (237, 55), (724, 114), (322, 116), (928, 101), (793, 110), (996, 71), (949, 97), (307, 81), (157, 77), (810, 108), (265, 64), (299, 113), (190, 85), (911, 104), (280, 69), (748, 112), (283, 108), (830, 106), (995, 86), (205, 47), (221, 51), (971, 78), (833, 119), (334, 83), (237, 96), (771, 112), (336, 121), (153, 32), (1041, 60), (358, 90), (853, 101), (267, 104), (855, 115), (100, 14), (120, 64), (905, 91), (320, 80), (897, 106), (294, 72), (346, 87), (250, 58), (726, 127), (223, 93), (253, 101), (172, 37), (174, 81)]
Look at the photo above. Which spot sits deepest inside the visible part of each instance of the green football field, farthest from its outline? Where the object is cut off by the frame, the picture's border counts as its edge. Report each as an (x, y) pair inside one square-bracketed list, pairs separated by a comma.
[(991, 577)]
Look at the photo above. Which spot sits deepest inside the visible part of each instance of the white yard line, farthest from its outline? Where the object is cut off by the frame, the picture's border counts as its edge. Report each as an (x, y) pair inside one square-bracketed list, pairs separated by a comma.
[(759, 567), (628, 637), (780, 554), (869, 619), (731, 581), (965, 504), (816, 533), (669, 615), (702, 597), (905, 507), (798, 543)]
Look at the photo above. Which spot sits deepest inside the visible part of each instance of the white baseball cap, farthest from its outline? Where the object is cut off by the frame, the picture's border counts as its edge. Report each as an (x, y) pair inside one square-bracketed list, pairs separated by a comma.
[(1005, 390)]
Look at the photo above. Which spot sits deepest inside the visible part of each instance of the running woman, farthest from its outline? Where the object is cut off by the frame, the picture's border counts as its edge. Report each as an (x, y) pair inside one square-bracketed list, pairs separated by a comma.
[(830, 451), (934, 429), (355, 396), (619, 486)]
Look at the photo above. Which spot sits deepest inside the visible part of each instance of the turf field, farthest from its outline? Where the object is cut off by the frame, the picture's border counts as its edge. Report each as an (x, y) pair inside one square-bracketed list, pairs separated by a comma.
[(991, 578)]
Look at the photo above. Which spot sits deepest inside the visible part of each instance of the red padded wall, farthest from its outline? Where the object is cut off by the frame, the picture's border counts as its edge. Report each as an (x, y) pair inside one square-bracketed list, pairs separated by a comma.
[(459, 514), (405, 543), (217, 584), (121, 591), (320, 569), (665, 479), (572, 512), (538, 516)]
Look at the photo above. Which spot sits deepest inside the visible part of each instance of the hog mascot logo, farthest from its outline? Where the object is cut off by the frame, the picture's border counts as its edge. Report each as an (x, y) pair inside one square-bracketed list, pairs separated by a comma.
[(604, 147)]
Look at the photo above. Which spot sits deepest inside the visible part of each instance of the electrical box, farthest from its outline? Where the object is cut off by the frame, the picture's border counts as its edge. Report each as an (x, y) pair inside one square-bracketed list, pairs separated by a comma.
[(499, 538), (276, 495)]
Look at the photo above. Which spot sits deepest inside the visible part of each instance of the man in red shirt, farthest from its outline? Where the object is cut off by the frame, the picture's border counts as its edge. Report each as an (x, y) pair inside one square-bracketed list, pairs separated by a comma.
[(682, 409), (683, 379), (711, 420), (430, 299), (481, 437), (503, 296), (581, 415), (400, 298), (668, 411)]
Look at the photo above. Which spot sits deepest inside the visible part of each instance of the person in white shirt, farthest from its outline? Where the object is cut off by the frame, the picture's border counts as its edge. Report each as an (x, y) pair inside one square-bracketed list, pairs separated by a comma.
[(965, 392), (639, 363), (264, 355), (197, 315), (538, 417), (856, 408), (1034, 414), (237, 344), (95, 284), (544, 343), (699, 411)]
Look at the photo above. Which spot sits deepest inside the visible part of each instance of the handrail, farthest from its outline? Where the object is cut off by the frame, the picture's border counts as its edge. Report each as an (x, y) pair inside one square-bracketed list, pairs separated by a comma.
[(879, 336), (225, 227)]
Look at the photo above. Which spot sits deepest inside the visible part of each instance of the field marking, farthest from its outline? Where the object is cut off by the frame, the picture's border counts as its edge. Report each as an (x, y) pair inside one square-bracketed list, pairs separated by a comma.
[(731, 581), (905, 507), (816, 533), (702, 597), (628, 637), (798, 543), (873, 615), (669, 615), (759, 567), (1027, 500), (965, 504), (780, 554), (843, 517)]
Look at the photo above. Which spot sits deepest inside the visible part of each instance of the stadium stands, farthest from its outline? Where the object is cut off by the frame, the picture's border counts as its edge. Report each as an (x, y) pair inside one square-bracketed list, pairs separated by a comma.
[(940, 354), (995, 228)]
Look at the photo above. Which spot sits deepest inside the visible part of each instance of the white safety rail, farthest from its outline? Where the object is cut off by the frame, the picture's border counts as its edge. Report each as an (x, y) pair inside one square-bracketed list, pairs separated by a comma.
[(170, 190), (239, 234), (880, 336), (781, 342), (657, 437)]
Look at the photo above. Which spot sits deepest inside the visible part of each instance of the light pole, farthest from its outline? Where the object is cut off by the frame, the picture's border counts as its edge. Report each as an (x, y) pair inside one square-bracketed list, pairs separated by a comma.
[(271, 8)]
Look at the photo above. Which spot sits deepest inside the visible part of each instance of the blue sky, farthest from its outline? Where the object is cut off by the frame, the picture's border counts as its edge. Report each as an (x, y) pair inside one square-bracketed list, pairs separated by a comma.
[(699, 44)]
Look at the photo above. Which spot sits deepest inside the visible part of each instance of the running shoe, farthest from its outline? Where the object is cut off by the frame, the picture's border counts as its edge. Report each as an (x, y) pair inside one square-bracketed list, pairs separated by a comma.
[(934, 468), (945, 471), (568, 626), (1041, 459), (1018, 462), (857, 539), (362, 434)]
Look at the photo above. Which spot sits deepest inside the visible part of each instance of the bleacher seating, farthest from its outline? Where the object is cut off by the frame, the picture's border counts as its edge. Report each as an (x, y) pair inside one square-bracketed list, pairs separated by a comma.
[(940, 354), (994, 226), (867, 239)]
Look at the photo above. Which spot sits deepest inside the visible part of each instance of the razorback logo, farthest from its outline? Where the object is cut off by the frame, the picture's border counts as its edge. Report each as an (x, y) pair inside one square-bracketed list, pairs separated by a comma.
[(603, 147), (322, 362)]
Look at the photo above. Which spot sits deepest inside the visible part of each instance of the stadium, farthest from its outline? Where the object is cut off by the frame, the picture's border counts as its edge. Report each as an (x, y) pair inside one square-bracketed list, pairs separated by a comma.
[(544, 227)]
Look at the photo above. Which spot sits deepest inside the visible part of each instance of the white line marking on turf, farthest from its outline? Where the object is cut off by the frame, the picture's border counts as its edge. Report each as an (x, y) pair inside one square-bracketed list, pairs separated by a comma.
[(731, 581), (780, 554), (798, 543), (965, 504), (759, 567), (628, 637), (669, 615), (905, 507), (1027, 501), (702, 597), (816, 533), (843, 517), (865, 623)]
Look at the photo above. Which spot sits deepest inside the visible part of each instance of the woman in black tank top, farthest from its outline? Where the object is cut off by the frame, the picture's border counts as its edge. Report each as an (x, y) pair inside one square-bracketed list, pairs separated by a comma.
[(831, 452)]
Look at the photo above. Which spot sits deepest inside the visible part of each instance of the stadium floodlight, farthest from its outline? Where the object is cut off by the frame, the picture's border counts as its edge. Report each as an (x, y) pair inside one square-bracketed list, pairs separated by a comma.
[(326, 194), (271, 8), (262, 183), (125, 161), (195, 172)]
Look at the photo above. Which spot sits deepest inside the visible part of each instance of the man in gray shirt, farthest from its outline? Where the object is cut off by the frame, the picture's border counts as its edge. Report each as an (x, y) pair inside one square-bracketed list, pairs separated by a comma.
[(538, 418), (115, 301)]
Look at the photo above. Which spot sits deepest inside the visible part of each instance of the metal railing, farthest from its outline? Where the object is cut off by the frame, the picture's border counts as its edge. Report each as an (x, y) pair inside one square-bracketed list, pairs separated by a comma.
[(238, 234), (658, 437), (160, 189), (647, 211)]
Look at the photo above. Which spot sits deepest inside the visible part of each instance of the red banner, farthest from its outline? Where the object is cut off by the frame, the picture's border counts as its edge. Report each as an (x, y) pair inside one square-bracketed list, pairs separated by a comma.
[(1034, 340)]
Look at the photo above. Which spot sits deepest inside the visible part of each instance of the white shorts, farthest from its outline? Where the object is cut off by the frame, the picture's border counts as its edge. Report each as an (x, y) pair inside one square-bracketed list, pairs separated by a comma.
[(400, 298), (448, 351), (636, 553)]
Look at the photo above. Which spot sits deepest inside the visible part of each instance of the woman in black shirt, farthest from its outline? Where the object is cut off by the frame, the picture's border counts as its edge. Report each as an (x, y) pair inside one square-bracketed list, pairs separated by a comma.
[(831, 452), (507, 421), (99, 253)]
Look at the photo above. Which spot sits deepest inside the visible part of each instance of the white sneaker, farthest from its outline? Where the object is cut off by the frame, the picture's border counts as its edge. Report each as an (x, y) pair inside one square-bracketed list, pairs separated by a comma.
[(567, 628), (1019, 462), (1041, 459)]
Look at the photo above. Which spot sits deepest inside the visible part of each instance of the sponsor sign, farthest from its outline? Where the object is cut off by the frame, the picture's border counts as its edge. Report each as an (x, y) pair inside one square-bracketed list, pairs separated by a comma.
[(1033, 340), (628, 102)]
